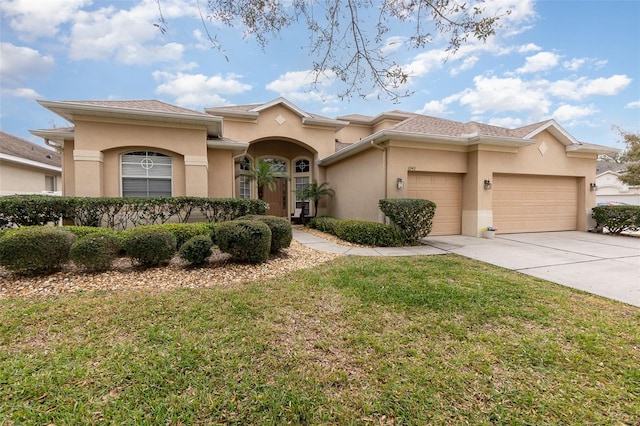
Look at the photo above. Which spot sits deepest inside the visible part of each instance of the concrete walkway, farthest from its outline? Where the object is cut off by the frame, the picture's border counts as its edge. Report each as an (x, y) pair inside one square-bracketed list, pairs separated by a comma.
[(605, 265)]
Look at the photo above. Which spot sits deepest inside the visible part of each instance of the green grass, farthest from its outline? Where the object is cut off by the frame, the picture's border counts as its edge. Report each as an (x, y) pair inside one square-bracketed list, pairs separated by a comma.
[(425, 340)]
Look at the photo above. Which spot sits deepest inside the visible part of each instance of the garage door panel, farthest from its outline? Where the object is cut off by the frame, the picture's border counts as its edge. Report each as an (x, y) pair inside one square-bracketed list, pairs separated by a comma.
[(444, 189), (525, 203)]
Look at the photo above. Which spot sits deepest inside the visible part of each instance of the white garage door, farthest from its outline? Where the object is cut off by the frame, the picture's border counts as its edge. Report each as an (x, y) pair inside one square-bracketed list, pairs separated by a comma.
[(444, 189), (525, 203)]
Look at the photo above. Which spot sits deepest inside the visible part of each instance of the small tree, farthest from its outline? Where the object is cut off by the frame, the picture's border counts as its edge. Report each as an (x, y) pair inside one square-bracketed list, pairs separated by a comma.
[(265, 175), (313, 191), (631, 155)]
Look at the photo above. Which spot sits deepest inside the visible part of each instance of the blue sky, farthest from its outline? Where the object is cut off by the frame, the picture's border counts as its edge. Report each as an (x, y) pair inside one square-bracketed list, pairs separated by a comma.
[(575, 61)]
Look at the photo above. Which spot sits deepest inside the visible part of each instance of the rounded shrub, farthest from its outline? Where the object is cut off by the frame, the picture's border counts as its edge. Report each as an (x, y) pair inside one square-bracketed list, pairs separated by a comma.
[(35, 250), (148, 246), (281, 233), (183, 231), (245, 240), (368, 233), (95, 252), (196, 249), (324, 223)]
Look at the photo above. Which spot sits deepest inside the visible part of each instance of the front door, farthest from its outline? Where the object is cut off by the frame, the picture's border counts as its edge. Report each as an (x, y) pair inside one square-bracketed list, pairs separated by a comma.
[(277, 199)]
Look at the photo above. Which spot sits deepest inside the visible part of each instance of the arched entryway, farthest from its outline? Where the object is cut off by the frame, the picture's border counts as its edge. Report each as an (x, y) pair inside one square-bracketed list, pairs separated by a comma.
[(290, 158)]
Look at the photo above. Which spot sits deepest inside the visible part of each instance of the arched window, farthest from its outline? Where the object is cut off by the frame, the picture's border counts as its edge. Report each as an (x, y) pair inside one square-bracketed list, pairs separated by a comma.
[(146, 174)]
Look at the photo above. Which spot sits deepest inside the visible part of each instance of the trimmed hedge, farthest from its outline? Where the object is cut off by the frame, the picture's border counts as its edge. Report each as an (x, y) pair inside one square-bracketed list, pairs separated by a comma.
[(182, 231), (119, 212), (281, 232), (196, 249), (245, 240), (149, 246), (324, 223), (35, 250), (413, 217), (617, 219), (368, 233), (95, 252)]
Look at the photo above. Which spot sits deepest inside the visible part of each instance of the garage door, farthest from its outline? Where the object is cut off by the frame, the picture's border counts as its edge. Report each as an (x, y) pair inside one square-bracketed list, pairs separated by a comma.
[(525, 203), (444, 189)]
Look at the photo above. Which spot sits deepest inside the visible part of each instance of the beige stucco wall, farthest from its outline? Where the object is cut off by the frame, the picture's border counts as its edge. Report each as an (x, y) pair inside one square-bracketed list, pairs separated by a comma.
[(99, 143), (360, 181), (24, 179), (221, 171), (359, 184)]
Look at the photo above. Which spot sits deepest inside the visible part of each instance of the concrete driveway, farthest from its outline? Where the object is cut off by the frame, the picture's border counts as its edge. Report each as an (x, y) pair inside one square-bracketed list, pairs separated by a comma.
[(605, 265)]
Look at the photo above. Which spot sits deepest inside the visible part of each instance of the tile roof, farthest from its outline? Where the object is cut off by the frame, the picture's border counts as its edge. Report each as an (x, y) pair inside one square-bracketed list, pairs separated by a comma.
[(18, 147)]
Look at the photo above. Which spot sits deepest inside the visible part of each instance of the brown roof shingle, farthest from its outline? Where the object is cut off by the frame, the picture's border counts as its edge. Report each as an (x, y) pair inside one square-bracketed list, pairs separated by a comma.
[(140, 105), (18, 147)]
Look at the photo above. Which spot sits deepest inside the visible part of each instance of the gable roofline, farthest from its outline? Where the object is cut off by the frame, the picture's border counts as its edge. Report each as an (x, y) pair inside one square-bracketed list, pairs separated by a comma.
[(146, 110), (252, 113), (376, 139)]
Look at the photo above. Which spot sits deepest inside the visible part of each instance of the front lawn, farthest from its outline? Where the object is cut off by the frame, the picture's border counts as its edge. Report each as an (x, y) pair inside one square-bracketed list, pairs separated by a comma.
[(423, 340)]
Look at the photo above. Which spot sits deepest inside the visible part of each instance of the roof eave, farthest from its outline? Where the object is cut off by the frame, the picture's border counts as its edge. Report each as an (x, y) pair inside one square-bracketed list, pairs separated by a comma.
[(67, 110), (27, 162), (324, 122), (237, 148)]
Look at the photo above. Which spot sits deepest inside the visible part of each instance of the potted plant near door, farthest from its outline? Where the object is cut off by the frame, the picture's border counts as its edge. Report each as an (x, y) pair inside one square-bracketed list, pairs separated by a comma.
[(489, 232)]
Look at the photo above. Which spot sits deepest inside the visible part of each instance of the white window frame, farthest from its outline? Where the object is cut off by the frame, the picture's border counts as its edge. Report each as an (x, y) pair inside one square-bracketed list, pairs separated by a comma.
[(147, 152)]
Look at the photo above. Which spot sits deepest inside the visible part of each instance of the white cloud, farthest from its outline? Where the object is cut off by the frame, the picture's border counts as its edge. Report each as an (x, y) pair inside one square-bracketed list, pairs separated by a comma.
[(18, 63), (508, 122), (569, 113), (393, 44), (32, 19), (22, 92), (297, 86), (634, 104), (437, 108), (606, 86), (467, 64), (539, 62), (505, 94), (199, 90), (531, 47), (574, 64)]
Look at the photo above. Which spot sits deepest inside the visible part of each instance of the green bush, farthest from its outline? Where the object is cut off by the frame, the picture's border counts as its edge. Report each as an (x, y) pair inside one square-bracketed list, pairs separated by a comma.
[(281, 233), (324, 224), (120, 212), (245, 240), (368, 233), (95, 252), (35, 249), (617, 219), (413, 217), (183, 231), (196, 249), (149, 246)]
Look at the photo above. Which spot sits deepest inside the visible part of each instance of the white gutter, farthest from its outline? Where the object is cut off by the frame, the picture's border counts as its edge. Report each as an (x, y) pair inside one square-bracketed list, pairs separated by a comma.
[(237, 148), (32, 163)]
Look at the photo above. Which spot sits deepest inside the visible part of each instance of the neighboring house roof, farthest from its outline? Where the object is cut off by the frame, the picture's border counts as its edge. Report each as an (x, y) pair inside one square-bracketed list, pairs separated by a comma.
[(18, 150), (152, 110), (605, 166)]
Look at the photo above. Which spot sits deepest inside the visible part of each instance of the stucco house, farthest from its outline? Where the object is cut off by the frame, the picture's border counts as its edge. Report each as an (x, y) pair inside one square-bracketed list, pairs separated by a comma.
[(27, 168), (611, 189), (534, 178)]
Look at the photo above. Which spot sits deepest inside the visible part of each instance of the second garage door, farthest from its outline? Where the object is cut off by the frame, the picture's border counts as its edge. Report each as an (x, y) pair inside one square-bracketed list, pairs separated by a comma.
[(525, 203), (444, 189)]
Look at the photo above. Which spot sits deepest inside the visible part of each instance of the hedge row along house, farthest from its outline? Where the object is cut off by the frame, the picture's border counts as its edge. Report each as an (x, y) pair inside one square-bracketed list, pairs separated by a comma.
[(533, 178)]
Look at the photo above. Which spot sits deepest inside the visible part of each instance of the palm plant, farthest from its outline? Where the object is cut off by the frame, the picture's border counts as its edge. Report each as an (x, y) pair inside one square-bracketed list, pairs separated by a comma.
[(264, 175), (313, 191)]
